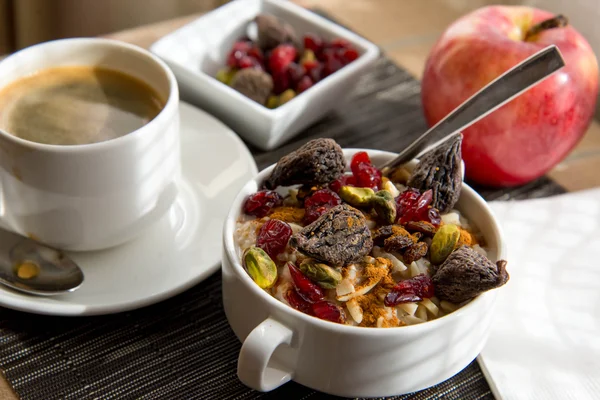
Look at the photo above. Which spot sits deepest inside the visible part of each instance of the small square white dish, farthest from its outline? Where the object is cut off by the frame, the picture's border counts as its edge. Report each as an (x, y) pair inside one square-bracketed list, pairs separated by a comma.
[(199, 49)]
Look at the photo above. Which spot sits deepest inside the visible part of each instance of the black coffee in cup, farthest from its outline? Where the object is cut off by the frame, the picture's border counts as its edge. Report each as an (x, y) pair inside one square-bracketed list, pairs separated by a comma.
[(76, 105)]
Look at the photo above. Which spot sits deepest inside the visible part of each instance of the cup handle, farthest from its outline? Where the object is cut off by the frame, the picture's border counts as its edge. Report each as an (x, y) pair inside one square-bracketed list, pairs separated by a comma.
[(252, 368)]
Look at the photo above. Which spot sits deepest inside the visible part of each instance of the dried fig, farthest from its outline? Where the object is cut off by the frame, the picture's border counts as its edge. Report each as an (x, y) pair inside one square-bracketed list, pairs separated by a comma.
[(253, 83), (272, 32), (338, 237), (465, 274), (316, 162), (440, 171)]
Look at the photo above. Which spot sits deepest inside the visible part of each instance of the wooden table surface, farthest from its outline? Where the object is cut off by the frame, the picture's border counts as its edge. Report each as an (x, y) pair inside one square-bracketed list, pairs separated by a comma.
[(399, 28)]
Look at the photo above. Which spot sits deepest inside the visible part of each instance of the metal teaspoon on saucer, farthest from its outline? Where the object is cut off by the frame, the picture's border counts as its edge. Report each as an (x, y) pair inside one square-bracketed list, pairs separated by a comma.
[(31, 267), (495, 94)]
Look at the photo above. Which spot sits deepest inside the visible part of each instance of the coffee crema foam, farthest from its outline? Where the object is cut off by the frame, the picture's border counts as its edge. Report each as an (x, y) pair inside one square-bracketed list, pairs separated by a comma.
[(76, 105)]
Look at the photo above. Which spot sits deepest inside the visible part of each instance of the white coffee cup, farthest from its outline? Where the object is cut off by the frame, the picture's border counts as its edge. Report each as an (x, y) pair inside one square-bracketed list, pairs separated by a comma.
[(91, 196), (282, 344)]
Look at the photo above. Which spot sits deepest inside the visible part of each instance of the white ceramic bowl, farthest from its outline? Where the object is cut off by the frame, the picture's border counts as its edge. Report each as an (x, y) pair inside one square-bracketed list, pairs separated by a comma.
[(198, 50), (281, 343)]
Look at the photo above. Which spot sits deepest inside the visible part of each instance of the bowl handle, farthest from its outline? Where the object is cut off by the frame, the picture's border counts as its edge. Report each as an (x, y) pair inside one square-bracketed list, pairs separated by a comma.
[(252, 368)]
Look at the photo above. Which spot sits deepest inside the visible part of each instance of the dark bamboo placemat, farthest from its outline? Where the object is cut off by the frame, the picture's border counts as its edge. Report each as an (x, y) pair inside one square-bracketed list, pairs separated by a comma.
[(183, 348)]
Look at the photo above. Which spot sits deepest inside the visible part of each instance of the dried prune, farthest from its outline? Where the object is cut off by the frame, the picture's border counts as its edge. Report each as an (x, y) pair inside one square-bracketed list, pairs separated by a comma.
[(397, 243), (317, 162), (426, 228), (338, 237), (381, 234), (414, 252), (465, 274), (440, 171)]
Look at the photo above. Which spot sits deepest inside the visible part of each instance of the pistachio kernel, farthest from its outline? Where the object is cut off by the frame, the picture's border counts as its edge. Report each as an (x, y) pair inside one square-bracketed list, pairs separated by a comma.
[(260, 267), (324, 275), (225, 75), (443, 243), (385, 206), (272, 101), (308, 56), (286, 96), (357, 196)]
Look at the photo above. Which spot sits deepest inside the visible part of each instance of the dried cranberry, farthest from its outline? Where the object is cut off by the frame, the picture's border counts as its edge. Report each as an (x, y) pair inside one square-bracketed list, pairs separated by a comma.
[(256, 53), (260, 203), (306, 288), (368, 176), (359, 158), (296, 73), (304, 84), (317, 204), (273, 237), (281, 82), (410, 291), (326, 55), (297, 302), (339, 43), (328, 311), (281, 57), (349, 55), (406, 200), (313, 42), (419, 210), (331, 66), (247, 62), (309, 65), (316, 72), (238, 51), (344, 180)]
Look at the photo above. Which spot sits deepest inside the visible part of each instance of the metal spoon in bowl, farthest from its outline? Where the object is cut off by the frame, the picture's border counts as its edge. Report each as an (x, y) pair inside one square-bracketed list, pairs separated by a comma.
[(500, 91), (31, 267)]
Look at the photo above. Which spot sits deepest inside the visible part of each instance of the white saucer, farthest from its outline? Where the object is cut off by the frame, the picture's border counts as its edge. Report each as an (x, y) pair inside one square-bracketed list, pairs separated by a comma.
[(182, 249)]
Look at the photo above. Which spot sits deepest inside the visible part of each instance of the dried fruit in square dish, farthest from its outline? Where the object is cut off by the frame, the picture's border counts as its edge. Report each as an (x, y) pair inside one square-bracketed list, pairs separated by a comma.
[(281, 64)]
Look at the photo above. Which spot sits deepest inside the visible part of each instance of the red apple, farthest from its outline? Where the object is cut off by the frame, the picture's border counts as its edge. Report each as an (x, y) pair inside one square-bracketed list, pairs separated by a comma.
[(525, 138)]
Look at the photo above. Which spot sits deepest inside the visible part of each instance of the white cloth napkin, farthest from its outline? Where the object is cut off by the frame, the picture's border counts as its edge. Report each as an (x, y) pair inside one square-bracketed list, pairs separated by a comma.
[(545, 341)]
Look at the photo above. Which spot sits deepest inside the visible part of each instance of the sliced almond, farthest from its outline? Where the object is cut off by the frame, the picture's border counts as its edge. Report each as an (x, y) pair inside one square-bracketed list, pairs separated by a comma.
[(414, 269), (447, 306), (345, 287), (410, 320), (358, 291), (430, 306), (408, 308), (421, 313), (355, 310), (364, 289)]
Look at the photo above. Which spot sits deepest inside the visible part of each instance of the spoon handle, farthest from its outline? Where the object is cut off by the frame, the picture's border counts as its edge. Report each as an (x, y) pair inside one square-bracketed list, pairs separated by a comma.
[(495, 94)]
